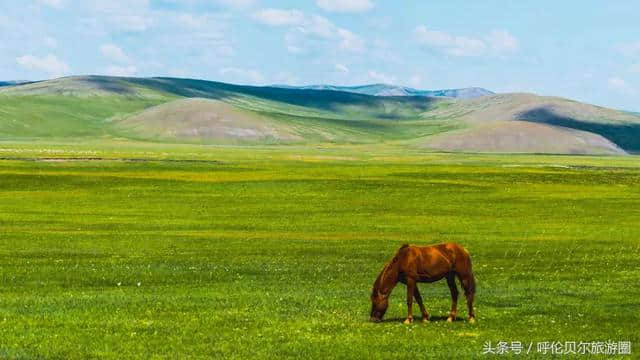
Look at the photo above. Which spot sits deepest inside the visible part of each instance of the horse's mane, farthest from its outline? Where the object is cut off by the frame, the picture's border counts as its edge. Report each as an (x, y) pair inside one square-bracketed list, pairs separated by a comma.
[(376, 284), (383, 273)]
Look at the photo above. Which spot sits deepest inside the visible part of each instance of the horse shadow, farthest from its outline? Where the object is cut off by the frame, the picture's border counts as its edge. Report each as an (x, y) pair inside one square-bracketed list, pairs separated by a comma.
[(419, 319)]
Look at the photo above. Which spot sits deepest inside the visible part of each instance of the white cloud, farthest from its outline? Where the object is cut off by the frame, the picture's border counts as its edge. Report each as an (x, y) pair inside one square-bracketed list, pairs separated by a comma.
[(237, 75), (111, 6), (495, 43), (630, 48), (114, 53), (500, 41), (381, 78), (57, 4), (49, 64), (464, 46), (305, 27), (297, 43), (616, 82), (416, 81), (350, 6), (115, 70), (132, 22), (130, 16), (350, 41), (279, 17), (319, 26), (190, 20), (433, 37), (342, 68), (201, 39), (620, 85), (238, 4), (205, 21)]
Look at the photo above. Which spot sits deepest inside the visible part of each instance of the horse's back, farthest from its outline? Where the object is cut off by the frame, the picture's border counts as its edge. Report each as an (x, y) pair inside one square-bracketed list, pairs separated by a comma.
[(446, 248), (458, 257)]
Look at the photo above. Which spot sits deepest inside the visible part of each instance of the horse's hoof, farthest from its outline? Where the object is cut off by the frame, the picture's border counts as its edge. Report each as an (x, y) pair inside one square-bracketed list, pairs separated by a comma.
[(425, 320), (408, 321), (472, 320), (450, 319)]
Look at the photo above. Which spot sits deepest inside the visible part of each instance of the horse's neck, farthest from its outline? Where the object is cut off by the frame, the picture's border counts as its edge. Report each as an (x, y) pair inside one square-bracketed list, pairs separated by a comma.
[(388, 278)]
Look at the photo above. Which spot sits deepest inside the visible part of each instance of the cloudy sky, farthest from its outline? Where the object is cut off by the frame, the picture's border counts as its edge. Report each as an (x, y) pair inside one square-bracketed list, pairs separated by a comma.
[(585, 50)]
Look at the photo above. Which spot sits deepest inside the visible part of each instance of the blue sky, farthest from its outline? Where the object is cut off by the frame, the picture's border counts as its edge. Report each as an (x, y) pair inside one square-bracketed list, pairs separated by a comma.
[(584, 50)]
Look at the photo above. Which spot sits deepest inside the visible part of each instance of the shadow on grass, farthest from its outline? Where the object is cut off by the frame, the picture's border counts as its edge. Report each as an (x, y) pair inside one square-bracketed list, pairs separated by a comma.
[(319, 99), (626, 136), (419, 319)]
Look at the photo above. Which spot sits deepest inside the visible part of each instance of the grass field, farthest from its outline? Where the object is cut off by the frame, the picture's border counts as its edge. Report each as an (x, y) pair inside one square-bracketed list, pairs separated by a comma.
[(268, 252)]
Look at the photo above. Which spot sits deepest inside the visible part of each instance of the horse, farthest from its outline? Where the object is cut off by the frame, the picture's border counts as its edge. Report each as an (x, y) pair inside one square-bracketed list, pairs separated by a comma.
[(414, 264)]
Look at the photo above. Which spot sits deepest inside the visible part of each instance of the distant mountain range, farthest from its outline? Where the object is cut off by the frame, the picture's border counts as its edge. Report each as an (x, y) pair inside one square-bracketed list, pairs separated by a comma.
[(208, 112), (393, 90)]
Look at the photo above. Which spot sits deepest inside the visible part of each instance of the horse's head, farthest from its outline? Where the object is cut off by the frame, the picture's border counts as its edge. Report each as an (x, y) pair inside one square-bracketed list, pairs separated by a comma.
[(382, 288), (379, 305)]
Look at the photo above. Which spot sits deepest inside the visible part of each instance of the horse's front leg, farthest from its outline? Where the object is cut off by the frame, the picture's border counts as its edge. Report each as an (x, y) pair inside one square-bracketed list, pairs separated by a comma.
[(411, 285), (423, 310)]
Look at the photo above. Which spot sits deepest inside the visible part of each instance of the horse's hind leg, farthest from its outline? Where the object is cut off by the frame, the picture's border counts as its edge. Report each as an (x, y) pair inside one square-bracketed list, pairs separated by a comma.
[(469, 284), (425, 314), (451, 281)]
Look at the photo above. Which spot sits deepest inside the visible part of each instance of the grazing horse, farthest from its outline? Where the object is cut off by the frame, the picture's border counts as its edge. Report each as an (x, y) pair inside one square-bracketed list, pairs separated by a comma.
[(414, 264)]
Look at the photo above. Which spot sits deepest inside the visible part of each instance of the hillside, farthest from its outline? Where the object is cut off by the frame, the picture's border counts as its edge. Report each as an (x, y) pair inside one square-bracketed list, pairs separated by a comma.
[(620, 128), (523, 137), (197, 119), (207, 112), (316, 116)]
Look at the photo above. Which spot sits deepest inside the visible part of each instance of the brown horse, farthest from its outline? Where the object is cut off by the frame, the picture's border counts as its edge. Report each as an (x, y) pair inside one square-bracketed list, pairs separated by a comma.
[(414, 264)]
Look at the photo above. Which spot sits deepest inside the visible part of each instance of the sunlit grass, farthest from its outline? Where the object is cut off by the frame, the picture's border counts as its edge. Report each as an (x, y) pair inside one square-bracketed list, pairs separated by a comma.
[(269, 252)]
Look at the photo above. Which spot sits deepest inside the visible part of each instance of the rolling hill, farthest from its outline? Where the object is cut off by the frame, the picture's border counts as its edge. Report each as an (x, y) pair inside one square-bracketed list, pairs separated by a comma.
[(523, 137), (198, 119), (207, 112)]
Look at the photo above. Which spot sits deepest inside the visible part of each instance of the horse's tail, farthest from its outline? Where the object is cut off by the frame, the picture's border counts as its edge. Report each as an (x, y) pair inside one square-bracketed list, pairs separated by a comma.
[(472, 283), (472, 278), (465, 271)]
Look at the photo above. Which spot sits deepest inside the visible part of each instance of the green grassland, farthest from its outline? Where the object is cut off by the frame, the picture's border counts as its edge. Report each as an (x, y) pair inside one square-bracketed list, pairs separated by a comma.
[(54, 116), (121, 237), (101, 107), (271, 251)]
